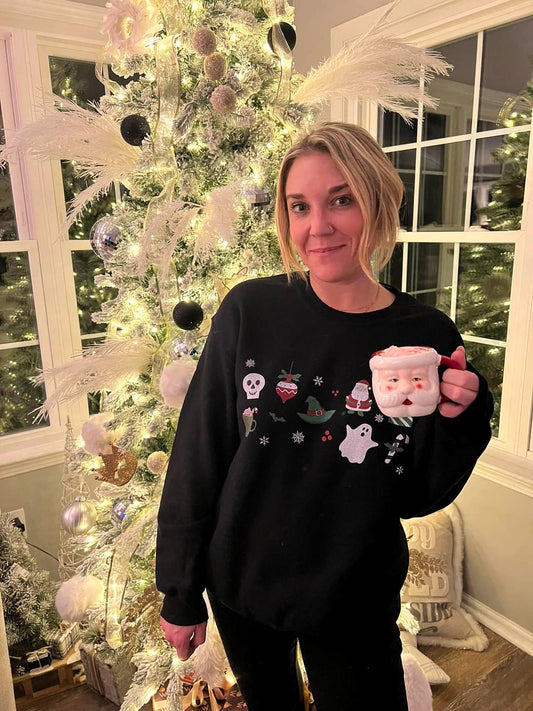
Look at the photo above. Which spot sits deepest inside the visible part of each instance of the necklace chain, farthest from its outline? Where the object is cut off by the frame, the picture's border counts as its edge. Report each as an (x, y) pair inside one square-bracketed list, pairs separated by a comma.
[(367, 307)]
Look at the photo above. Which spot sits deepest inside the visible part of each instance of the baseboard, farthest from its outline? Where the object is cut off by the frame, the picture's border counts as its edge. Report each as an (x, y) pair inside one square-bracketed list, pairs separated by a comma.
[(506, 628)]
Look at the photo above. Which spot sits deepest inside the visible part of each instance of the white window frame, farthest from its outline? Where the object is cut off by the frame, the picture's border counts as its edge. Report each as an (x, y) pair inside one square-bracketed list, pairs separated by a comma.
[(31, 32), (509, 458)]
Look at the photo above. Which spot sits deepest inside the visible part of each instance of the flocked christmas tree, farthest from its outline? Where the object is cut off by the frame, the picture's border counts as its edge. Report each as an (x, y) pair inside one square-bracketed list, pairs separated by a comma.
[(27, 593), (195, 134)]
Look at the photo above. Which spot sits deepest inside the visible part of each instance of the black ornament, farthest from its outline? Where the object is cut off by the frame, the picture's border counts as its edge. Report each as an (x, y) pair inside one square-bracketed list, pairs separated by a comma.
[(288, 32), (188, 315), (134, 129)]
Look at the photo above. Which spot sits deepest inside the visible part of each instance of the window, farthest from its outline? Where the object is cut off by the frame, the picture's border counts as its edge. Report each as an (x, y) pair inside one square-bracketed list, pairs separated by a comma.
[(466, 244), (46, 276)]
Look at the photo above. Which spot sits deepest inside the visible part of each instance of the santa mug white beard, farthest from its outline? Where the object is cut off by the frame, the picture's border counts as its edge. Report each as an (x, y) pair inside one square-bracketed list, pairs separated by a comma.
[(405, 380)]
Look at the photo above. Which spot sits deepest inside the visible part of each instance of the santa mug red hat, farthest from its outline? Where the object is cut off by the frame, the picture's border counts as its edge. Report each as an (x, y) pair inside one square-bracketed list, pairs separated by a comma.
[(405, 380)]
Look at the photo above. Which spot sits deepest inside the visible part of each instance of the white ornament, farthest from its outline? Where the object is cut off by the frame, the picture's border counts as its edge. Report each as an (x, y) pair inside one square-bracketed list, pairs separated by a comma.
[(357, 442), (253, 384), (76, 595), (157, 462), (97, 440), (175, 380), (130, 26)]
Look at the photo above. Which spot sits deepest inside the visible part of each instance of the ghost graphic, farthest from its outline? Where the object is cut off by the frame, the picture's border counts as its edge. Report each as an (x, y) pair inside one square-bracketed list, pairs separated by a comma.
[(357, 442)]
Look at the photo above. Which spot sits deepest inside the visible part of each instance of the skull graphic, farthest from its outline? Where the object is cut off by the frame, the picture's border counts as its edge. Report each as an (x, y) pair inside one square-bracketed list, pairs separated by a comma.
[(253, 384)]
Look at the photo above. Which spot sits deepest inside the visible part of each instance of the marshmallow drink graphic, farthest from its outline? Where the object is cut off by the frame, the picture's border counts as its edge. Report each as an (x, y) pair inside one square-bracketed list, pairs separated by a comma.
[(405, 380)]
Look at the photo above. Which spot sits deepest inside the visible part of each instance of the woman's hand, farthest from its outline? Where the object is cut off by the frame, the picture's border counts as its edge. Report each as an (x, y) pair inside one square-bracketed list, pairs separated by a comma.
[(184, 639), (459, 387)]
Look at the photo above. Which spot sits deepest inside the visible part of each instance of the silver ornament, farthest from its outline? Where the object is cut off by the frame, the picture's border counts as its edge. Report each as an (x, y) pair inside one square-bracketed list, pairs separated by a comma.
[(178, 349), (79, 517), (104, 237)]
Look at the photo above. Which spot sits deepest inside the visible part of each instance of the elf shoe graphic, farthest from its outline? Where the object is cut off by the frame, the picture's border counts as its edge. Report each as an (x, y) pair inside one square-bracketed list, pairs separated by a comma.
[(315, 414), (287, 387)]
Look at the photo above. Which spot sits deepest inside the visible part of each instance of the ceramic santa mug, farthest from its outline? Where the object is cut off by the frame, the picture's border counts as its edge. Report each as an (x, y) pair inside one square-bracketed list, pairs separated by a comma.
[(405, 380)]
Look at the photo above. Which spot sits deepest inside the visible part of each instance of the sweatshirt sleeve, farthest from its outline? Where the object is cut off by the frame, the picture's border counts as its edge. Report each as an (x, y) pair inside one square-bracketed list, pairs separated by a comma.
[(443, 454), (206, 440)]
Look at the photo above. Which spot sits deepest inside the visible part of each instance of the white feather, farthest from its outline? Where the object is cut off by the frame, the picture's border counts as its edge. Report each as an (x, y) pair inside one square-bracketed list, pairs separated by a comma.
[(210, 662), (99, 367), (89, 137), (219, 216), (374, 68), (76, 595)]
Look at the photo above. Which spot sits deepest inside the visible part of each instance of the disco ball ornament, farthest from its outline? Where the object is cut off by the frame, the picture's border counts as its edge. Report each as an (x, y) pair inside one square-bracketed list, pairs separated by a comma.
[(105, 236), (134, 129), (178, 349), (188, 315), (256, 196), (288, 32), (79, 517)]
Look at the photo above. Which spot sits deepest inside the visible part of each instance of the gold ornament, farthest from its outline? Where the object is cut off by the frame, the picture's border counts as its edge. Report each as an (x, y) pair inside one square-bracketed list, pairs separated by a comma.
[(119, 467)]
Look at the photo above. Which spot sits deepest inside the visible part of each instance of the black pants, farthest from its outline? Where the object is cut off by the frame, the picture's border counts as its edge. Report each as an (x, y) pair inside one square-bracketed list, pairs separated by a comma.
[(346, 670)]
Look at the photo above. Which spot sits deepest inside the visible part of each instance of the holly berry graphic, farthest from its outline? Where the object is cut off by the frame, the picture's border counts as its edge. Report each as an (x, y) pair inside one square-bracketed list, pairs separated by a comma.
[(287, 387)]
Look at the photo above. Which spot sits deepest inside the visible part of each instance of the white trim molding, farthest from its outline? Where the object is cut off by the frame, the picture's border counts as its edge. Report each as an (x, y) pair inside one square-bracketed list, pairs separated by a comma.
[(506, 628)]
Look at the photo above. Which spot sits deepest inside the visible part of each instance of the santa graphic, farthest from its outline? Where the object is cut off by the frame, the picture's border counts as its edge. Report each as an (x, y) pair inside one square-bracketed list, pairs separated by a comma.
[(359, 399)]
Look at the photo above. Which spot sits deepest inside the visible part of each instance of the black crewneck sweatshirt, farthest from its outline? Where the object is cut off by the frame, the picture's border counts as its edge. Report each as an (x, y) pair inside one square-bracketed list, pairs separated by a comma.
[(286, 484)]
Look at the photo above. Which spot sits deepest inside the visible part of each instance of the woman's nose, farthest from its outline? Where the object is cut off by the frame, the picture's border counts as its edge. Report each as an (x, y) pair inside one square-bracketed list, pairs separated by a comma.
[(320, 223)]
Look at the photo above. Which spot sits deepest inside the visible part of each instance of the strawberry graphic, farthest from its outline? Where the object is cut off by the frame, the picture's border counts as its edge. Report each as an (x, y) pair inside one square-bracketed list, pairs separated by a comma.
[(287, 387)]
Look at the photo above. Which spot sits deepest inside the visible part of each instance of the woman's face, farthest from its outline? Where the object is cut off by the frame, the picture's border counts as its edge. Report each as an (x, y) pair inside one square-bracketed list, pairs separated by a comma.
[(325, 220)]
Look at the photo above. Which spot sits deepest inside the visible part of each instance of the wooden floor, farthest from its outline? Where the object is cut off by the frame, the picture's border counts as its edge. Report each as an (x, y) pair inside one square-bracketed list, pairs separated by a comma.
[(499, 679)]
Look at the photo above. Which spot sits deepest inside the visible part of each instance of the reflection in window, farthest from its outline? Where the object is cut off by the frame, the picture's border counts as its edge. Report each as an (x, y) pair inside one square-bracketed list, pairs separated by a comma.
[(17, 314), (455, 92), (8, 225), (392, 272), (430, 274), (484, 290), (499, 181), (443, 179), (505, 70), (89, 297), (404, 162), (18, 395)]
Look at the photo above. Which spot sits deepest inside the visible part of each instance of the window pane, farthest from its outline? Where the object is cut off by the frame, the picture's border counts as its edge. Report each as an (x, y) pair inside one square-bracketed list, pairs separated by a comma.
[(404, 162), (506, 71), (8, 225), (17, 314), (484, 289), (454, 92), (86, 266), (430, 274), (392, 272), (18, 395), (499, 181), (393, 130), (490, 361), (76, 80), (443, 187)]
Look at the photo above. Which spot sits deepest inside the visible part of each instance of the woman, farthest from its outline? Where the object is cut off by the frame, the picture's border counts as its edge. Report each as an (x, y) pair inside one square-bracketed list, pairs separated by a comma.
[(284, 493)]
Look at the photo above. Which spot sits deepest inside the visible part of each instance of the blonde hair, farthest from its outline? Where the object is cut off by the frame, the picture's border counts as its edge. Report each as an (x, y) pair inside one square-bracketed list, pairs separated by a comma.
[(372, 179)]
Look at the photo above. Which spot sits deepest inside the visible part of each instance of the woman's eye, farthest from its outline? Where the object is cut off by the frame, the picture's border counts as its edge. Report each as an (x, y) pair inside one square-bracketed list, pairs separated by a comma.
[(344, 200), (297, 207)]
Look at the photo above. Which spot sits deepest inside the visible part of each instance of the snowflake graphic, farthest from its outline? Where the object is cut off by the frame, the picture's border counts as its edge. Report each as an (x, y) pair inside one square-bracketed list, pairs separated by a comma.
[(298, 437), (399, 470), (250, 363), (379, 417), (263, 440), (319, 380)]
